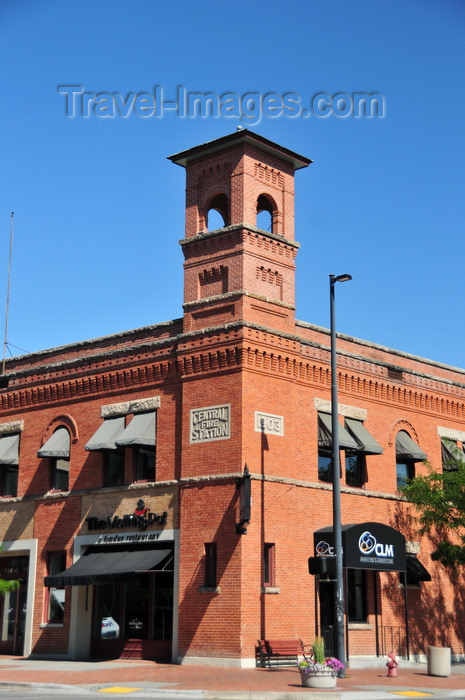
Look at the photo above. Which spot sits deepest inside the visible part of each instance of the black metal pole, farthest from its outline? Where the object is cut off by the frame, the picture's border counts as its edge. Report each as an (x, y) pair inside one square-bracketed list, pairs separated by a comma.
[(337, 525), (407, 634)]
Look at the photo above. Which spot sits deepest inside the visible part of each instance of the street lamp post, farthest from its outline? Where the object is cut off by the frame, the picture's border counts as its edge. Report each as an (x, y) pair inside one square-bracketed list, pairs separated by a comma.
[(337, 526)]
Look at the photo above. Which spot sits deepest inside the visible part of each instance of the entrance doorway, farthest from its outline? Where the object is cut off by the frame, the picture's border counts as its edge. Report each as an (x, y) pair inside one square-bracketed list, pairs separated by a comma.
[(327, 615), (134, 618), (13, 605)]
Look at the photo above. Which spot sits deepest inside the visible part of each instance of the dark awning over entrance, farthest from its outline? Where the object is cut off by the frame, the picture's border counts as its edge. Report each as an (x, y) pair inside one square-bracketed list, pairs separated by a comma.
[(365, 546), (104, 567), (416, 572)]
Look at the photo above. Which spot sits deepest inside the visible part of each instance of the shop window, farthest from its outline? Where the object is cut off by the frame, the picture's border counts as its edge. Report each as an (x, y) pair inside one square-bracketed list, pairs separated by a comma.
[(355, 469), (55, 604), (268, 564), (107, 619), (137, 608), (141, 608), (210, 564), (113, 467), (325, 465), (162, 624), (356, 595), (145, 464)]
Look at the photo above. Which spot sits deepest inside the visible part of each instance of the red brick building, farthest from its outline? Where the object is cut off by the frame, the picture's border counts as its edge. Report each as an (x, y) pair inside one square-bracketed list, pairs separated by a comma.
[(124, 507)]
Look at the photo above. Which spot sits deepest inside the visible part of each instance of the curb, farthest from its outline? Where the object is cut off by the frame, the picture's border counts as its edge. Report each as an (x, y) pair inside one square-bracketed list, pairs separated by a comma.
[(175, 694), (16, 685)]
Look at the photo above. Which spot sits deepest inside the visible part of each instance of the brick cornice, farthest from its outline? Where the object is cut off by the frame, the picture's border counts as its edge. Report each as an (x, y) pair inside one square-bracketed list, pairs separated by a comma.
[(243, 231), (231, 347)]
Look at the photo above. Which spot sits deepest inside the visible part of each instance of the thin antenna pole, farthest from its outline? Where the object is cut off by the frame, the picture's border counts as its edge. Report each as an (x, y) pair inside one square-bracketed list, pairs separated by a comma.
[(5, 337)]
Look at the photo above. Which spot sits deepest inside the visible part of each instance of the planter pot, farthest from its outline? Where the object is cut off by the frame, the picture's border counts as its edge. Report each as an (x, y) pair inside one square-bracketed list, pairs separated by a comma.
[(319, 679)]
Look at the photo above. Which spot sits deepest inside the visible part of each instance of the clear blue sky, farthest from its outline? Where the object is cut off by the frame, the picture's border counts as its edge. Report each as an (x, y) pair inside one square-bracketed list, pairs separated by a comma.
[(99, 210)]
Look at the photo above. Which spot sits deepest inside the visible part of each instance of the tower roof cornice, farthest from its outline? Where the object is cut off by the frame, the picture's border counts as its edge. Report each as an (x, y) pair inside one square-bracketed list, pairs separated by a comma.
[(243, 136)]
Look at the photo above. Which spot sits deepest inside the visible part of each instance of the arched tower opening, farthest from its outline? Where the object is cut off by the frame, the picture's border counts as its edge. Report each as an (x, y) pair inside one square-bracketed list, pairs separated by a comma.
[(266, 213), (217, 214)]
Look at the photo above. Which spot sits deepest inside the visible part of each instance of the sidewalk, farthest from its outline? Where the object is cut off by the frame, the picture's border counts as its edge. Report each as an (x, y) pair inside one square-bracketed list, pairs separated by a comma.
[(165, 680)]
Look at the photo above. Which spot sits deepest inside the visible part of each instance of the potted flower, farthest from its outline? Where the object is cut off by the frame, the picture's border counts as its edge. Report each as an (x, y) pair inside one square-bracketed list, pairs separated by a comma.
[(319, 672)]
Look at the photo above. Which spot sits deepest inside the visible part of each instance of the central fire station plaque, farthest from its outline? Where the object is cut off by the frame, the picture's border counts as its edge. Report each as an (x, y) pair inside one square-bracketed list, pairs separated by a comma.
[(210, 423)]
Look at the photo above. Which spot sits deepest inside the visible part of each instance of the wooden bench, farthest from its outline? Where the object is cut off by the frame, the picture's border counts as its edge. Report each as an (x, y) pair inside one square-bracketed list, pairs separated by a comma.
[(281, 651)]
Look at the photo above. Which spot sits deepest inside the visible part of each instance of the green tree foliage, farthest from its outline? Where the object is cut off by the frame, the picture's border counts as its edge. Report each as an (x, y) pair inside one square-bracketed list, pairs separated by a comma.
[(7, 586), (440, 498)]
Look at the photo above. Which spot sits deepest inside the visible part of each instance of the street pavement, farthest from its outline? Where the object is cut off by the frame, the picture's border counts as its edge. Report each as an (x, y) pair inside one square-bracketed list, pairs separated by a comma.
[(138, 678)]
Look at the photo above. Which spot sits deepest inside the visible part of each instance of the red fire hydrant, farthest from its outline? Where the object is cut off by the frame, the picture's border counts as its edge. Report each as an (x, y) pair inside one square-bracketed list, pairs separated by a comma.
[(392, 664)]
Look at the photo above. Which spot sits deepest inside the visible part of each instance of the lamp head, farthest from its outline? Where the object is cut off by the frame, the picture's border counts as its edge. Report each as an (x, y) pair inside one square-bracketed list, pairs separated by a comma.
[(343, 278)]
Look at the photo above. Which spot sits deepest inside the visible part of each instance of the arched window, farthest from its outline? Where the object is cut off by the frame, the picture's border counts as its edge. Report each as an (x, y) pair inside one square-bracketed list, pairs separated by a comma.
[(407, 453), (56, 449), (218, 213), (265, 213)]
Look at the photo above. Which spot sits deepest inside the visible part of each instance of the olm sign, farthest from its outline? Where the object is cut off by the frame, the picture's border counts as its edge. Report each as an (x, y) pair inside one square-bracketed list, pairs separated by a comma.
[(365, 546)]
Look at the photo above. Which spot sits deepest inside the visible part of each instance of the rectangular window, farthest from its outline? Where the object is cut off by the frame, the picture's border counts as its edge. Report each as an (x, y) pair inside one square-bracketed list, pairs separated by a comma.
[(145, 464), (452, 455), (55, 605), (60, 473), (210, 564), (405, 470), (141, 608), (9, 460), (9, 480), (356, 595), (268, 564), (355, 469), (113, 466), (325, 468)]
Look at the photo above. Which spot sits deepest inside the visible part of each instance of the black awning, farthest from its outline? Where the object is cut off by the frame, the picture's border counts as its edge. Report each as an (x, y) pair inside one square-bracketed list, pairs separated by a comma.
[(366, 442), (365, 546), (406, 448), (105, 436), (325, 434), (57, 445), (140, 432), (9, 449), (104, 567), (452, 456), (416, 572)]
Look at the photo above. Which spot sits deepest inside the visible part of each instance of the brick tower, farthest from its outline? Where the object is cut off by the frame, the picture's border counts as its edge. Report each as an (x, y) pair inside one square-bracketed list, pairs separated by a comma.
[(239, 272)]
